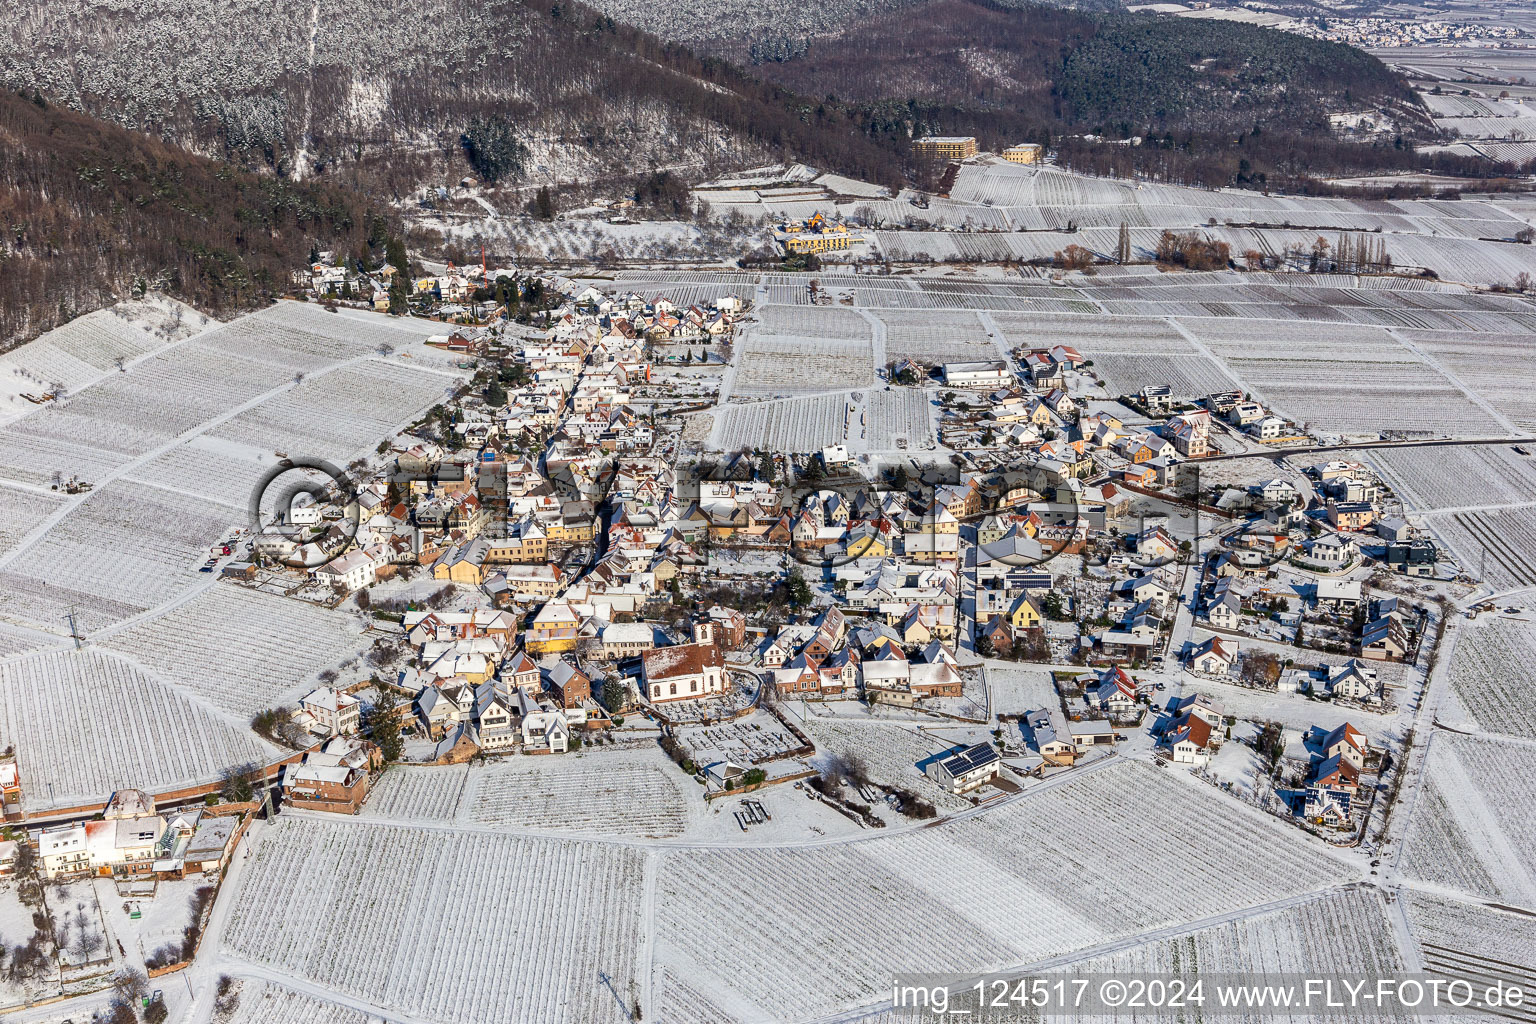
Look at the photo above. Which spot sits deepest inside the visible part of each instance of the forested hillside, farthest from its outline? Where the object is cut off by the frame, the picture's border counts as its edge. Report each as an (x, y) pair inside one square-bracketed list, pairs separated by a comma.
[(386, 92), (91, 213)]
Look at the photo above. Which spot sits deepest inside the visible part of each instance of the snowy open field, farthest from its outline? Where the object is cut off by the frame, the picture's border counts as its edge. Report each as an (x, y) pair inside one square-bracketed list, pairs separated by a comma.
[(458, 928), (1499, 546), (90, 347), (1474, 826), (1343, 931), (778, 365), (86, 724), (1495, 366), (264, 1002), (843, 916), (936, 337), (598, 792), (124, 549), (1472, 941), (789, 425), (1428, 478), (241, 650), (900, 414), (1490, 674)]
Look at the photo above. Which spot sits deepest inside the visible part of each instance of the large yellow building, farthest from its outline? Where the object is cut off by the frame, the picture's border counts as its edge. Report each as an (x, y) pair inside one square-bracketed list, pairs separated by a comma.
[(946, 147), (815, 235), (1026, 153)]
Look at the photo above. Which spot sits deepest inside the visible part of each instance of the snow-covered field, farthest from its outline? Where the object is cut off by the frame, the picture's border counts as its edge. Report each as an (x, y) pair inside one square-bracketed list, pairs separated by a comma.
[(264, 1002), (241, 650), (459, 928), (1474, 826), (1339, 932), (1498, 546), (790, 425), (780, 365), (1016, 689), (601, 792), (1490, 674), (86, 724), (123, 550), (843, 916), (1428, 479), (90, 347), (901, 414)]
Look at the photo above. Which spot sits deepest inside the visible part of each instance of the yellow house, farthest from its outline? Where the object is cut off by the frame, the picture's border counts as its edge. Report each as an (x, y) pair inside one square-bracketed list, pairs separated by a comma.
[(1026, 153), (1024, 614), (529, 544), (867, 543), (555, 629), (462, 563)]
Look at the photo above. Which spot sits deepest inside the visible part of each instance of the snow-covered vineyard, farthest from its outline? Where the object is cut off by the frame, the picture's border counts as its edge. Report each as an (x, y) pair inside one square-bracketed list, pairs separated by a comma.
[(385, 911), (613, 794), (86, 723), (171, 419)]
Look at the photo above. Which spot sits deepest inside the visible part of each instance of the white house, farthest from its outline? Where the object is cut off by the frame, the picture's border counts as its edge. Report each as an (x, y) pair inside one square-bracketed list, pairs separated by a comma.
[(335, 713), (353, 570), (1213, 656), (1190, 741), (963, 770), (683, 672), (546, 729)]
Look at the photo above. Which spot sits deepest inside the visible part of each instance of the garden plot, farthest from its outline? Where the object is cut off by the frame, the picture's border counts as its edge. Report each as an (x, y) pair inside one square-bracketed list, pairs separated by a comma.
[(1343, 932), (1188, 376), (757, 738), (86, 724), (814, 322), (241, 650), (127, 548), (551, 918), (611, 793), (335, 415), (1429, 478), (791, 425), (891, 751), (936, 337), (1490, 674), (22, 511), (783, 366), (1015, 689), (1498, 546), (843, 915), (1474, 824), (163, 918), (265, 1002), (901, 419), (78, 929)]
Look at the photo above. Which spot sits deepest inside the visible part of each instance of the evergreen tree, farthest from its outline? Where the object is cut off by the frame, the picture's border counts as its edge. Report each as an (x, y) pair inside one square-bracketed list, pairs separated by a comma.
[(544, 204), (384, 726)]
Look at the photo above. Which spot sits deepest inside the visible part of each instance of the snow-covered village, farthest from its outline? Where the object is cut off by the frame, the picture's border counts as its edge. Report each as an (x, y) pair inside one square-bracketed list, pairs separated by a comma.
[(505, 641)]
